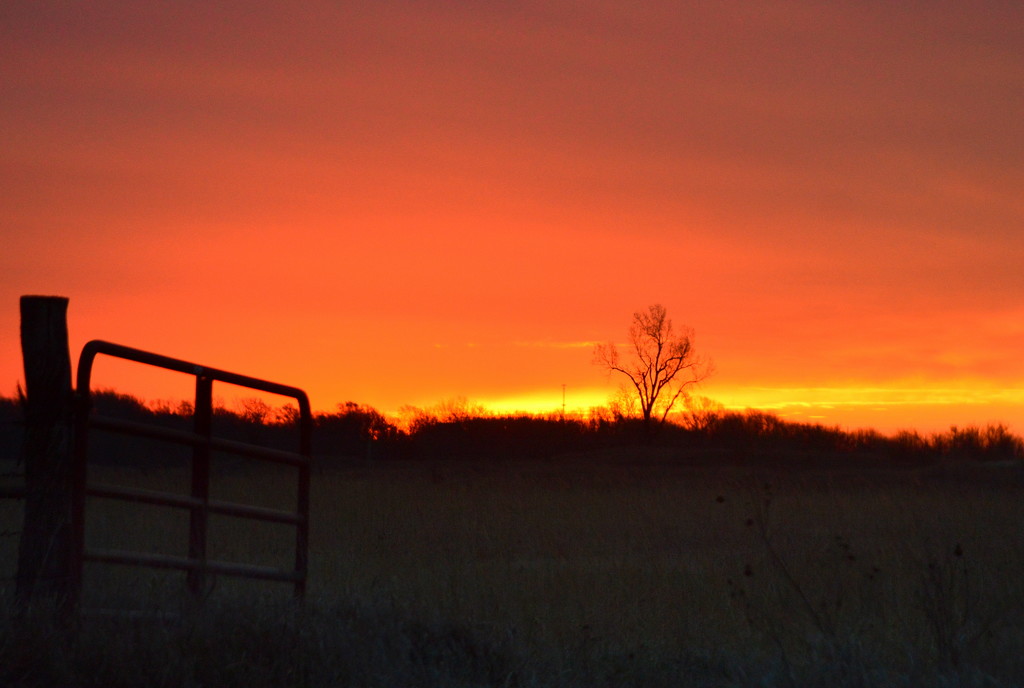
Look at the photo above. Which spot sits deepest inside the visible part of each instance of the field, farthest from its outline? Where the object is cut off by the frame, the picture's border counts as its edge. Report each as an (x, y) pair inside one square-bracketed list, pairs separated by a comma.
[(568, 573)]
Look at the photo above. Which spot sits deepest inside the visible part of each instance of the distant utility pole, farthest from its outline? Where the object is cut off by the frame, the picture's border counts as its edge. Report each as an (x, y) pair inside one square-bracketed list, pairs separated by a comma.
[(563, 401)]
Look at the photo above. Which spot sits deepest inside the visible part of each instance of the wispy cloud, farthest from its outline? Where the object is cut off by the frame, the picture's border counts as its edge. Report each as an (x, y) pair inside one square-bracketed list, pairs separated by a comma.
[(557, 345), (778, 398)]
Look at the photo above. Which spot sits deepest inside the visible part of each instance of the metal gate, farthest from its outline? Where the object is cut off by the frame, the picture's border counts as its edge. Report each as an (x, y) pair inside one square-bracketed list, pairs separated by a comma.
[(198, 503)]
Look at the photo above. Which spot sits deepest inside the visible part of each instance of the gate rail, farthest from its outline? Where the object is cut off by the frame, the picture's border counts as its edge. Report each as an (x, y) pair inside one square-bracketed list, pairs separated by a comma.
[(198, 503)]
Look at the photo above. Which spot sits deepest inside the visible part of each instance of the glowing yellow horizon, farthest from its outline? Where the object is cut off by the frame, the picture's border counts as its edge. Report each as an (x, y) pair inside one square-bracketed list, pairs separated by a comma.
[(885, 408), (576, 402)]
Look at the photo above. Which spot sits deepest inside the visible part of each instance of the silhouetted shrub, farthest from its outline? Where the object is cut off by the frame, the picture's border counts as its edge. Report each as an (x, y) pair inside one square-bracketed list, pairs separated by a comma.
[(992, 443), (355, 430)]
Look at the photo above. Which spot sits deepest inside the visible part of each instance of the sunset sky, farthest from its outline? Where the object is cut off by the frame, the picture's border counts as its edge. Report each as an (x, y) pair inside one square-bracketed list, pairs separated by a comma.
[(404, 202)]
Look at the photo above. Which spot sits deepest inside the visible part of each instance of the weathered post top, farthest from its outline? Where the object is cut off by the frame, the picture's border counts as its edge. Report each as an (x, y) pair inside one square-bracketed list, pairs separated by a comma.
[(44, 344)]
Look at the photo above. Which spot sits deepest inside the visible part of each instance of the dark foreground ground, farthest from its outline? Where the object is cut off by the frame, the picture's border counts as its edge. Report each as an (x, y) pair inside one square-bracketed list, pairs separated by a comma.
[(609, 569)]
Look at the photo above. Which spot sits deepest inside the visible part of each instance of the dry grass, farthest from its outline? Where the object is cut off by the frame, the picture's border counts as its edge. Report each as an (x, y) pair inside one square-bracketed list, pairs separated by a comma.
[(556, 575)]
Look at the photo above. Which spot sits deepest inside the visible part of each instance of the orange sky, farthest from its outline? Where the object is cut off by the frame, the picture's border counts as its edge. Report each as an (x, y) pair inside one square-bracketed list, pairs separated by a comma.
[(403, 202)]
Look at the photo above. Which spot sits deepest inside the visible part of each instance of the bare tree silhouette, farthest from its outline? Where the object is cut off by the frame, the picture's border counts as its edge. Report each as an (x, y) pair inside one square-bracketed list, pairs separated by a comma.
[(662, 364)]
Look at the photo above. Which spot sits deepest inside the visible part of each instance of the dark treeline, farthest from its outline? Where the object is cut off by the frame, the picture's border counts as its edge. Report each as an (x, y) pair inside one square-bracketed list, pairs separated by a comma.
[(355, 432)]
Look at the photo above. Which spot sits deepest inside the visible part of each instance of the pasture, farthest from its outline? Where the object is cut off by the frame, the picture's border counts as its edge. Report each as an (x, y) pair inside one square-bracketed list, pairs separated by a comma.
[(563, 573)]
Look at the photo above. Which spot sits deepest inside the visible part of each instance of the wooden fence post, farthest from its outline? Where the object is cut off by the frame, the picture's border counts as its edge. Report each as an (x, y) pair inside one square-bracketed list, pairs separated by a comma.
[(45, 548)]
